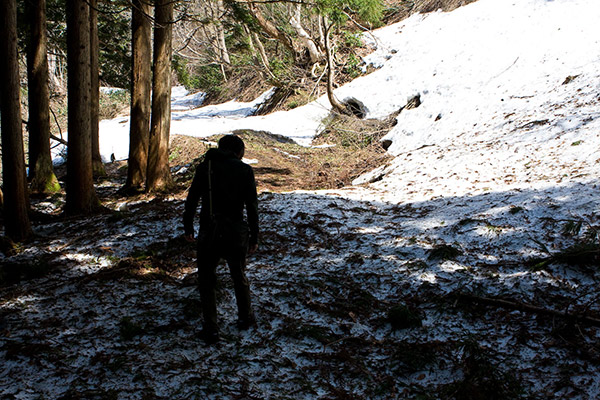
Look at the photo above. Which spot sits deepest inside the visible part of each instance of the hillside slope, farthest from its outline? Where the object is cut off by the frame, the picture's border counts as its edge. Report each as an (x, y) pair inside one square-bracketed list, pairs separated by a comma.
[(466, 269)]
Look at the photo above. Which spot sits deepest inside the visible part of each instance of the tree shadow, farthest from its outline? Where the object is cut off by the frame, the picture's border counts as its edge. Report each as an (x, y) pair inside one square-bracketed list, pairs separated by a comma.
[(330, 274)]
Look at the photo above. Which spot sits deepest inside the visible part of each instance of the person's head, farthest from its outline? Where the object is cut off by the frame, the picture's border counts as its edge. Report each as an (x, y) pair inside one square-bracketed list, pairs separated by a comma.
[(233, 144)]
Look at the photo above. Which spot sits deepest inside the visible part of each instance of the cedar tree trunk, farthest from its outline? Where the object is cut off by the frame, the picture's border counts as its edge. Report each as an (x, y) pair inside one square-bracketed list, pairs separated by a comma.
[(158, 177), (41, 173), (81, 196), (97, 164), (139, 129), (16, 201)]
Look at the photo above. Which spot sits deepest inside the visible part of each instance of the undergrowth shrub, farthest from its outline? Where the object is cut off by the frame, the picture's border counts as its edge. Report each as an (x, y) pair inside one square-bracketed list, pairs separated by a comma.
[(113, 103)]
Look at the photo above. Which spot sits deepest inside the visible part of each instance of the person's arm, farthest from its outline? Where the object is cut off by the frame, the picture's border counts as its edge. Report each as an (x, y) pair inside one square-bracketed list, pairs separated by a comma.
[(251, 201), (191, 203)]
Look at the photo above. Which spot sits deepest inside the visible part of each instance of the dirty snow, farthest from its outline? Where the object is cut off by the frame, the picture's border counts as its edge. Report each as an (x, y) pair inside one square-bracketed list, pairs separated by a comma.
[(499, 157)]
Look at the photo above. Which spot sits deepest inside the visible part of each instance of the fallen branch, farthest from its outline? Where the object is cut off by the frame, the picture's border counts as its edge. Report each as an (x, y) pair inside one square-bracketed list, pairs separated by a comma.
[(515, 305), (59, 140)]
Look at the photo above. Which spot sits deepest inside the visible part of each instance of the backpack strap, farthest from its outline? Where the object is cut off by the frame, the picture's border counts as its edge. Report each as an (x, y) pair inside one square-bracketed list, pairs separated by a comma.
[(210, 196)]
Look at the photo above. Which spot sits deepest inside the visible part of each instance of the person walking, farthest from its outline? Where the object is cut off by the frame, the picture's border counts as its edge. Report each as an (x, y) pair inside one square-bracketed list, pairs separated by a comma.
[(226, 186)]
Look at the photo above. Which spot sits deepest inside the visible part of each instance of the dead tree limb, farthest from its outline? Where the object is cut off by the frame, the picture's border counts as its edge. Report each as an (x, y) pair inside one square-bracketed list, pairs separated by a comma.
[(59, 140), (515, 305)]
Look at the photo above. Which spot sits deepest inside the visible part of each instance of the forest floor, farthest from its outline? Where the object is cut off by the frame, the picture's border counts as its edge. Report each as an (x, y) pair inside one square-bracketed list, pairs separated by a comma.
[(468, 268), (354, 299)]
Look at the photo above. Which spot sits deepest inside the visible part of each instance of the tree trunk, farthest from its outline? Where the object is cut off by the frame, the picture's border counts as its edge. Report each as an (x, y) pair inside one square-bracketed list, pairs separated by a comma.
[(139, 128), (223, 52), (260, 50), (16, 203), (97, 164), (309, 44), (272, 30), (335, 103), (41, 173), (158, 177), (81, 196)]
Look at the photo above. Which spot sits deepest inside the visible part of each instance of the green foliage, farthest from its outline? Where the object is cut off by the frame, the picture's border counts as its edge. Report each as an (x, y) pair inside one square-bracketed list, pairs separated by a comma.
[(206, 78), (282, 69), (369, 11), (209, 78), (112, 103), (241, 14), (114, 34), (180, 66), (352, 39), (352, 67)]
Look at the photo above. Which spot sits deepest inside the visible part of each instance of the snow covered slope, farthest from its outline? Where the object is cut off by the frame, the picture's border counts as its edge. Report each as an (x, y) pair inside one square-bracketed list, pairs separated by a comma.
[(509, 90), (504, 85)]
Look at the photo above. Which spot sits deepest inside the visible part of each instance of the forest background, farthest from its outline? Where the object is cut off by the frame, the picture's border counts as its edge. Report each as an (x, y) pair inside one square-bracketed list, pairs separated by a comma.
[(226, 49)]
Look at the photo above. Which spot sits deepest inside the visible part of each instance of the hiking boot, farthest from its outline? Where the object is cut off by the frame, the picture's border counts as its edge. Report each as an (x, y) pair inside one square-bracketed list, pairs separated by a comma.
[(209, 337)]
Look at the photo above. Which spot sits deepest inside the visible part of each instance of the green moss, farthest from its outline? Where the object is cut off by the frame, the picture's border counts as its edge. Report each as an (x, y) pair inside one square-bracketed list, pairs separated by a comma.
[(52, 186)]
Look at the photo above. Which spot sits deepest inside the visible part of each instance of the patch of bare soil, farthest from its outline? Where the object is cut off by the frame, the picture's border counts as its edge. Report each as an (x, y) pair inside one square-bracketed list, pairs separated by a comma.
[(243, 84), (185, 150), (351, 148), (398, 10)]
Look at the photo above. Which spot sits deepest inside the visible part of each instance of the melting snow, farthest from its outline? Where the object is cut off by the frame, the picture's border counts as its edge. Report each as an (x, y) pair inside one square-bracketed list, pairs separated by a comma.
[(501, 153)]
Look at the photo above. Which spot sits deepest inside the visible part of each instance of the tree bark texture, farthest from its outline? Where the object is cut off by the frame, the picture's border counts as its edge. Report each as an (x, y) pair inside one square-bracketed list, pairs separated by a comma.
[(335, 103), (97, 164), (41, 172), (16, 201), (139, 128), (158, 176), (81, 196)]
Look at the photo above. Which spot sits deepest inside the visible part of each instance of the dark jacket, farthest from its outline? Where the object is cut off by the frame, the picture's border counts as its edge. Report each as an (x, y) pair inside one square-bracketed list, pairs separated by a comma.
[(233, 187)]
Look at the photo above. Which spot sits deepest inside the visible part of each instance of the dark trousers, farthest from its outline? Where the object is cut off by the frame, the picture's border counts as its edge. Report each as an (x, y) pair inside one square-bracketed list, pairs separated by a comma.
[(210, 251)]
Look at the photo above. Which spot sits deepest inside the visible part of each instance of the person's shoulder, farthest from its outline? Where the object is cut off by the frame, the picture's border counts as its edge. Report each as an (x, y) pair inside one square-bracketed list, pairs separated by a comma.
[(247, 167), (212, 154)]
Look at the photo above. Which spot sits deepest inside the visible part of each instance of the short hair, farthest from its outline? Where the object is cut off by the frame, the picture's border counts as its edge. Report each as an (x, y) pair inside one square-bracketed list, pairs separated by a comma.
[(231, 143)]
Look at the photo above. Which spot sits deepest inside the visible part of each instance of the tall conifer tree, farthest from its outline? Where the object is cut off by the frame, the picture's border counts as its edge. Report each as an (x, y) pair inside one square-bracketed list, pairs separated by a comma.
[(97, 164), (139, 130), (81, 196), (41, 172), (16, 200), (159, 175)]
